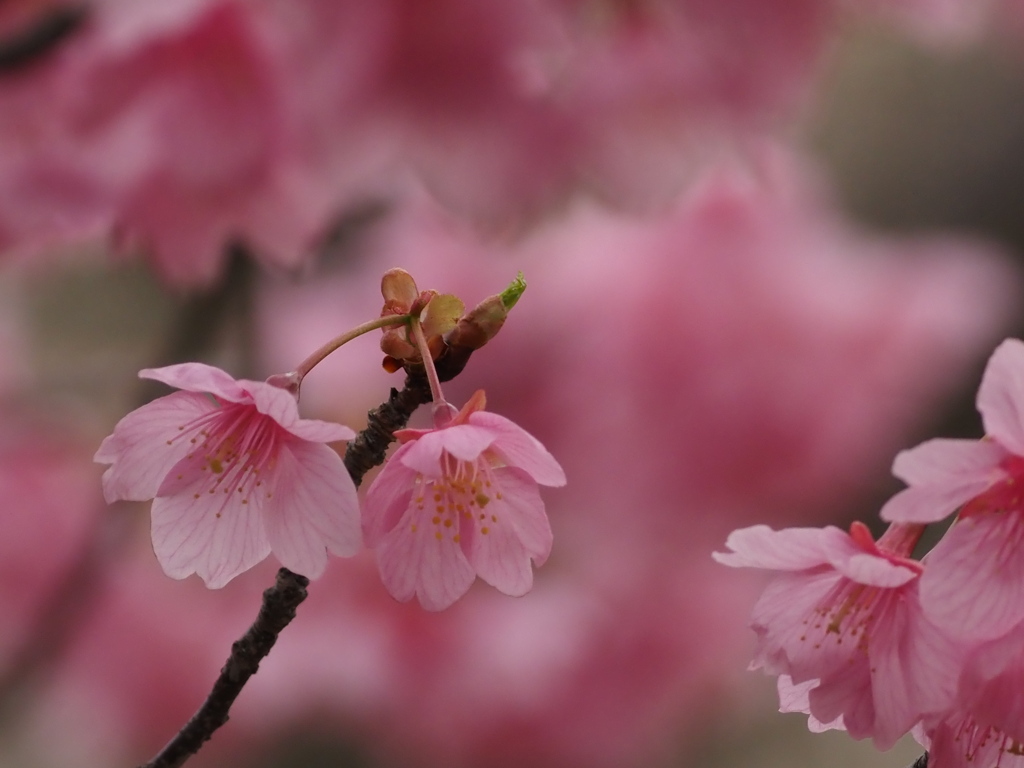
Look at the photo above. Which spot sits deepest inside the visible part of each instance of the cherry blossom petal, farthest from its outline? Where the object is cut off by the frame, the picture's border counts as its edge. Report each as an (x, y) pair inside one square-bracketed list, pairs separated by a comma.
[(791, 549), (846, 693), (138, 450), (993, 683), (1001, 396), (388, 498), (865, 568), (463, 441), (929, 504), (317, 431), (197, 377), (948, 462), (497, 554), (314, 511), (521, 449), (417, 563), (914, 670), (790, 627), (211, 534), (973, 584), (522, 505), (794, 697), (275, 402)]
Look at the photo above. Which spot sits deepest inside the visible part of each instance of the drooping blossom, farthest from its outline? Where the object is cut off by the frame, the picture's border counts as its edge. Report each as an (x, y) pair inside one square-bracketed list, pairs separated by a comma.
[(234, 474), (845, 612), (975, 581), (959, 741), (985, 726), (460, 501)]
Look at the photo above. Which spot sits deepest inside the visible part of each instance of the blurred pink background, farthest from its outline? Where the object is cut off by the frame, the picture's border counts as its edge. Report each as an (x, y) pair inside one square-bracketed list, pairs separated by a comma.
[(768, 244)]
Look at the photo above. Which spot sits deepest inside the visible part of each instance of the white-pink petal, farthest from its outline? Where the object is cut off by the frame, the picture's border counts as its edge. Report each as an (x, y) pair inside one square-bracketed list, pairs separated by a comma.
[(498, 556), (945, 461), (416, 563), (214, 536), (197, 377), (522, 506), (521, 449), (138, 451), (315, 509), (866, 568), (1001, 396), (388, 498), (277, 403), (463, 441), (929, 504), (973, 584), (791, 549)]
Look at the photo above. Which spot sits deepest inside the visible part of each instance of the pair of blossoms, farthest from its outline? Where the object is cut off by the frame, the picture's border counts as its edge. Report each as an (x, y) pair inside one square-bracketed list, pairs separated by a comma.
[(235, 473), (865, 638)]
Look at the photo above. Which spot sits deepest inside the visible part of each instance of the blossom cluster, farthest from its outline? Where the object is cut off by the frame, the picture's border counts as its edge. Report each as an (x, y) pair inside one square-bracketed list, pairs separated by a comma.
[(235, 474), (867, 638)]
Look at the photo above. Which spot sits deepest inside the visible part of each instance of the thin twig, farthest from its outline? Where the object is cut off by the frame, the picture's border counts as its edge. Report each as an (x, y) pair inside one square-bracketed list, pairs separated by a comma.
[(277, 611), (281, 600)]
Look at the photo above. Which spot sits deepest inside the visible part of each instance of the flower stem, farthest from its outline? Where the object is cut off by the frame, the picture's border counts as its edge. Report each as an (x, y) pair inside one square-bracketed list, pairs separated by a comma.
[(428, 362), (317, 357)]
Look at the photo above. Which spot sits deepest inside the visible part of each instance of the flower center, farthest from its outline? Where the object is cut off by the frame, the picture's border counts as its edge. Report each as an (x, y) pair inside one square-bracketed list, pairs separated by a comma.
[(458, 498), (231, 449), (1005, 495), (848, 613)]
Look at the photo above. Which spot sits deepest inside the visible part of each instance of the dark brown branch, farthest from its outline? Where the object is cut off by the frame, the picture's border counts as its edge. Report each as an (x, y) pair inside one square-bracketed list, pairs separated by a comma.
[(42, 36), (370, 446), (281, 601), (277, 611), (921, 762)]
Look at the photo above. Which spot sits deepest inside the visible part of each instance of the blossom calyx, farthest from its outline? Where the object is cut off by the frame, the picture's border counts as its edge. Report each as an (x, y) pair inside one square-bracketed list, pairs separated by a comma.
[(437, 313)]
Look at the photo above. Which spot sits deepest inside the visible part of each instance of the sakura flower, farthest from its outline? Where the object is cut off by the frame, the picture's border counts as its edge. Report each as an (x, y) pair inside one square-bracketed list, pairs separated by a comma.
[(234, 474), (975, 582), (986, 726), (957, 740), (460, 501), (846, 613)]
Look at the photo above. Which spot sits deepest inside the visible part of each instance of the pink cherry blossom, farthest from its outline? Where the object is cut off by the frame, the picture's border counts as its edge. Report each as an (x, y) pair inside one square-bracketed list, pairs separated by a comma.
[(846, 613), (959, 741), (461, 501), (234, 474), (975, 582)]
